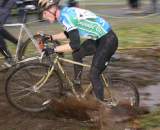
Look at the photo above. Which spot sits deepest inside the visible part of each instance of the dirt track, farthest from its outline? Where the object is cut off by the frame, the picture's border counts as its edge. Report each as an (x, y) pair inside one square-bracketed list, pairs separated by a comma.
[(140, 66)]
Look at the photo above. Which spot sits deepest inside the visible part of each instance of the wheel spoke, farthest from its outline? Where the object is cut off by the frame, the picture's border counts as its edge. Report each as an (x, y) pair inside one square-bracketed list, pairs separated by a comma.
[(22, 96)]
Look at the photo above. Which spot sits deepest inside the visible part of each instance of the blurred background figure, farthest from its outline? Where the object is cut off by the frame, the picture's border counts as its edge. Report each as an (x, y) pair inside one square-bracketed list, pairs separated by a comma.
[(5, 10), (24, 6), (154, 6), (3, 3), (73, 3), (134, 4), (134, 7)]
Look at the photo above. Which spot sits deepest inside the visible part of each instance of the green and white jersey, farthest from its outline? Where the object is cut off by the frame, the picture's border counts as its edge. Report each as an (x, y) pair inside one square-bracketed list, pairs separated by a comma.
[(89, 25)]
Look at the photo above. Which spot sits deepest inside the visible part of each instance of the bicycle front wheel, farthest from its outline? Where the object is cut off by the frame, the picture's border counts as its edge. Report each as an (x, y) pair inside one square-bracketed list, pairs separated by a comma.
[(27, 49), (122, 92), (19, 87)]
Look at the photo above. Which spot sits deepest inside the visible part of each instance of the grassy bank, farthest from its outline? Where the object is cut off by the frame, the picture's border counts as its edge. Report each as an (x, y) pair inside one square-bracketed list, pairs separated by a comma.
[(138, 36), (150, 121)]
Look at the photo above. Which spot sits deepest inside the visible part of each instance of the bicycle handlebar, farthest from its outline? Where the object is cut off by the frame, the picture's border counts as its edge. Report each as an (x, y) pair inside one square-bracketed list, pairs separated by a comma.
[(43, 42), (43, 37)]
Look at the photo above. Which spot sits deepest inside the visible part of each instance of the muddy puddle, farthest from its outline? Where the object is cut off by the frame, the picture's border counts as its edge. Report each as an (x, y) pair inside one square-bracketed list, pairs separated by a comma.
[(150, 96)]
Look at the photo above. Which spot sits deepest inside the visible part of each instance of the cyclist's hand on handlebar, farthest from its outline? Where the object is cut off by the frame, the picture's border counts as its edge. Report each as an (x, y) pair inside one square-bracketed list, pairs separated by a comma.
[(48, 37), (48, 51), (45, 36)]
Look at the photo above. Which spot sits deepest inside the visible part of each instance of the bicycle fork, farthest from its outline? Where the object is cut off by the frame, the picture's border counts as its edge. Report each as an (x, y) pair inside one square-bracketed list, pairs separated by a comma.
[(44, 79), (70, 83)]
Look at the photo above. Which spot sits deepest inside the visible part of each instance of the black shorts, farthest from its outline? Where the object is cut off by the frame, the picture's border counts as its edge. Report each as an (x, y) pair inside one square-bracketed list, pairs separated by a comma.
[(102, 49)]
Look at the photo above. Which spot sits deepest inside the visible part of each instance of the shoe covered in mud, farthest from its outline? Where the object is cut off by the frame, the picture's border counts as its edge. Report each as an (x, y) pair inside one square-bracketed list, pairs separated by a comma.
[(8, 63)]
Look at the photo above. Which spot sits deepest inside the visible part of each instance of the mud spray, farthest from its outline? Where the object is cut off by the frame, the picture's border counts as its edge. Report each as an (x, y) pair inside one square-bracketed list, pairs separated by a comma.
[(96, 114)]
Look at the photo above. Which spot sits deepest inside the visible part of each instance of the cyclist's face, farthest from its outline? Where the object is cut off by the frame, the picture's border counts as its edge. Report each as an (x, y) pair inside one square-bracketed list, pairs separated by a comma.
[(50, 14)]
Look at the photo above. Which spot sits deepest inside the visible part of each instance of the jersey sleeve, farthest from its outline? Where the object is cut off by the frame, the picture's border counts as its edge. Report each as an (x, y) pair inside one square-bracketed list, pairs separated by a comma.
[(68, 23)]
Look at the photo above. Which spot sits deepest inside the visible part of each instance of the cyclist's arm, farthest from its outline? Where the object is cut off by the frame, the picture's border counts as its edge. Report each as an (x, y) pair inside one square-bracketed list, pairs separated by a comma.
[(63, 48), (74, 37), (74, 43), (59, 36)]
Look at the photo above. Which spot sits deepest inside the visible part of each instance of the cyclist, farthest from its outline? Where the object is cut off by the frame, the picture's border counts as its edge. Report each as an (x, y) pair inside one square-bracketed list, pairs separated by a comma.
[(4, 34), (101, 40)]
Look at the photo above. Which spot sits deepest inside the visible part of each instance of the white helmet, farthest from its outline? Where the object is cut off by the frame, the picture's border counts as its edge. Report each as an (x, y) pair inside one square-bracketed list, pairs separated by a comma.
[(47, 3)]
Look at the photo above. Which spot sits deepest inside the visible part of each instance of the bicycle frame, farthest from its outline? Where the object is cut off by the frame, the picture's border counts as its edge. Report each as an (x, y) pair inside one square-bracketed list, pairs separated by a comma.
[(23, 28), (56, 62)]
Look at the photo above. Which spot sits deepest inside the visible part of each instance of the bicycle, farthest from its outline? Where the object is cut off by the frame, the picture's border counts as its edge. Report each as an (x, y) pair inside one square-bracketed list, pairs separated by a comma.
[(31, 86)]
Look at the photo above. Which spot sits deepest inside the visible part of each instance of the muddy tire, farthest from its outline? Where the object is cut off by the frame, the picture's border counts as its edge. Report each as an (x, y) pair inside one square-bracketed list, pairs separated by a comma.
[(123, 92), (19, 87)]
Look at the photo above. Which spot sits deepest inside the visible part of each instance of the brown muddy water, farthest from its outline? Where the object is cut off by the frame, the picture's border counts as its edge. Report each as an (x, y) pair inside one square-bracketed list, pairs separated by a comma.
[(150, 96)]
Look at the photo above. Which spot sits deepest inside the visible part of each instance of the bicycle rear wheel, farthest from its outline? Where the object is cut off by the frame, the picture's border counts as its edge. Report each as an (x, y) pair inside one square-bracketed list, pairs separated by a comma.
[(123, 92), (19, 87)]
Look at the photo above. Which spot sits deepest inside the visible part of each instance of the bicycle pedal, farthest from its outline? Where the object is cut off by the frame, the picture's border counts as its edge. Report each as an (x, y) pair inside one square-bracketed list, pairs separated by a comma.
[(46, 102)]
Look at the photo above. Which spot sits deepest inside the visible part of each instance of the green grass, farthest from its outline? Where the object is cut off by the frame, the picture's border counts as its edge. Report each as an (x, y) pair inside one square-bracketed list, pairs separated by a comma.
[(150, 121), (138, 36)]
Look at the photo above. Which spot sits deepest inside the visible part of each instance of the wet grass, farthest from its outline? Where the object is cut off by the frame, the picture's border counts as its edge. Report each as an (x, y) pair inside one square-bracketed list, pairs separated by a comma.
[(138, 36), (150, 121)]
